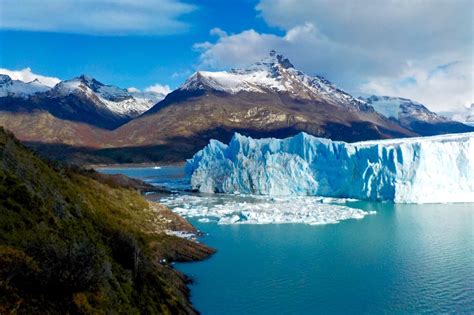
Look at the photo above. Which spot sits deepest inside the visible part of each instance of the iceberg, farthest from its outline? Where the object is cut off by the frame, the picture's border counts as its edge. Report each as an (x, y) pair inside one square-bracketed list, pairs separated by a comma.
[(434, 169)]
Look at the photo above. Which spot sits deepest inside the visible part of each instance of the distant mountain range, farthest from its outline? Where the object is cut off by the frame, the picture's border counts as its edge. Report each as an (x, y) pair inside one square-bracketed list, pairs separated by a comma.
[(465, 115), (415, 116), (82, 99), (87, 121)]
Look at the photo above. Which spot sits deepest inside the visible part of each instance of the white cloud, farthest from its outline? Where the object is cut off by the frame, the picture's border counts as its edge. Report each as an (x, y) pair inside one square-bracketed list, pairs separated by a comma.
[(26, 75), (159, 88), (363, 45), (156, 88), (304, 45), (96, 17), (408, 26), (441, 88), (133, 90)]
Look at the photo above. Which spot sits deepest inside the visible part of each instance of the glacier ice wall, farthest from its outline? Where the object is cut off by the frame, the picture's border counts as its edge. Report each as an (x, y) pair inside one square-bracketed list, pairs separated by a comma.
[(414, 170)]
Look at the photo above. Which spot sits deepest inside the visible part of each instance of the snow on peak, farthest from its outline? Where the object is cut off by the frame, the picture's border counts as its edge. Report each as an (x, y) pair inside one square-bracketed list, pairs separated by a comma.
[(17, 88), (4, 78), (402, 108), (413, 170), (464, 115), (275, 73), (120, 101)]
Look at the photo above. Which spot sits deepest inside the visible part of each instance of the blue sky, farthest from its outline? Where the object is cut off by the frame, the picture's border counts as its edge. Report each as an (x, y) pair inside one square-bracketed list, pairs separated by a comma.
[(128, 60), (417, 49)]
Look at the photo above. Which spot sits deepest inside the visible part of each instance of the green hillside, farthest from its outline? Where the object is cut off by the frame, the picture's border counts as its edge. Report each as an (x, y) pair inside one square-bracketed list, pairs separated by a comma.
[(72, 244)]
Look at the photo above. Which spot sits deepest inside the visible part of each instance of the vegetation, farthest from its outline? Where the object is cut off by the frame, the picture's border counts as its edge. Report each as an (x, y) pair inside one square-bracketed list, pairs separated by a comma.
[(73, 244)]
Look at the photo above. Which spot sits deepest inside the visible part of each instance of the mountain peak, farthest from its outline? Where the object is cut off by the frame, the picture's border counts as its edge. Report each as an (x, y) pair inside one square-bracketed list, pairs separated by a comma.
[(4, 78), (18, 88), (273, 74), (89, 81), (273, 62), (280, 59)]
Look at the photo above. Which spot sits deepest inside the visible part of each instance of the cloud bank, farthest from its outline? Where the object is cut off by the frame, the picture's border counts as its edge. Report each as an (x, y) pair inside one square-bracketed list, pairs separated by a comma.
[(96, 17)]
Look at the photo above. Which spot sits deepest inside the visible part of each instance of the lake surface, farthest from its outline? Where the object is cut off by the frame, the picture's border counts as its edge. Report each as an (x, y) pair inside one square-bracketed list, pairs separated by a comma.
[(402, 259)]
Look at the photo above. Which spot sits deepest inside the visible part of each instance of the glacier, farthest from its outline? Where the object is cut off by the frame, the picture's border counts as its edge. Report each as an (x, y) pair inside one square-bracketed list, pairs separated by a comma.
[(436, 169)]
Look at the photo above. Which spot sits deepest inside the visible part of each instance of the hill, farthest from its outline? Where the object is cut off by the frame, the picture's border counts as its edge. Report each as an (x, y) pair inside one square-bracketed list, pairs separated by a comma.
[(72, 242)]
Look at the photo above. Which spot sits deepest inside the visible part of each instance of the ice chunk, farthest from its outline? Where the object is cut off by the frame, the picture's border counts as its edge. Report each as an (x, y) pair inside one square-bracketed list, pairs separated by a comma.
[(245, 209), (412, 170)]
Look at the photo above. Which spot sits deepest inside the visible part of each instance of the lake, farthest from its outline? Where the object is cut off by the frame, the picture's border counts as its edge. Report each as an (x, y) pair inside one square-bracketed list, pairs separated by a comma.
[(395, 258)]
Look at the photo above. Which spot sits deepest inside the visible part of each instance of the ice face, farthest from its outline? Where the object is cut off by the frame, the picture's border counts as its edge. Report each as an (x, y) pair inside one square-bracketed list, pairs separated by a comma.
[(231, 209), (415, 170)]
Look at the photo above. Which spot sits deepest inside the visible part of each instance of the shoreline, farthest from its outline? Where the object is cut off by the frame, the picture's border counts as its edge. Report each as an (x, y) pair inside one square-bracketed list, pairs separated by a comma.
[(133, 165)]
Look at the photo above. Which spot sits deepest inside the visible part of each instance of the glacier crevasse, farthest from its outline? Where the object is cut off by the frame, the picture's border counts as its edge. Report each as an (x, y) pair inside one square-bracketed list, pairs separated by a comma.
[(412, 170)]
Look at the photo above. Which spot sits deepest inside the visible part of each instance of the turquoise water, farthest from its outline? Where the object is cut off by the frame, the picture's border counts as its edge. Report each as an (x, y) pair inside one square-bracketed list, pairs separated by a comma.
[(403, 259)]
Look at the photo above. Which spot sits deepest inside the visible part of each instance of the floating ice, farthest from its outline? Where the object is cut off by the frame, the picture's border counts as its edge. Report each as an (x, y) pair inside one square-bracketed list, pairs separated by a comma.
[(413, 170), (229, 209)]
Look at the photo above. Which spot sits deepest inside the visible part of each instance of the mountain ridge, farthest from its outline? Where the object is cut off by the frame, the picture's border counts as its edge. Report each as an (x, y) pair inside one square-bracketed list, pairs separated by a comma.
[(269, 98)]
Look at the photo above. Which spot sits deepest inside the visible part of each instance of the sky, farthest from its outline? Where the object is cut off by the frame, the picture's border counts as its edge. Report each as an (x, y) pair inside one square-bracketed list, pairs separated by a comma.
[(419, 49)]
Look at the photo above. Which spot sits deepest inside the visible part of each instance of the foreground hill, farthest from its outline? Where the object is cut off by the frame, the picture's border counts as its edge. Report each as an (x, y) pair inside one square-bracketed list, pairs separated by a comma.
[(75, 242)]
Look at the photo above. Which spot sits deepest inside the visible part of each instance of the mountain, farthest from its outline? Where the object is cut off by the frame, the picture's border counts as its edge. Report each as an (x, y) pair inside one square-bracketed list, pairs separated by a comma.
[(65, 248), (89, 122), (17, 88), (82, 99), (465, 115), (268, 98), (415, 116), (117, 100)]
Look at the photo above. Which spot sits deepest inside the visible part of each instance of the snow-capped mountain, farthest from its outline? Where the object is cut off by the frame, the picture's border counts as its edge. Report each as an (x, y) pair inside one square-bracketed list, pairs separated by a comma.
[(272, 74), (17, 88), (119, 101), (81, 99), (414, 116), (464, 115), (269, 98), (402, 108)]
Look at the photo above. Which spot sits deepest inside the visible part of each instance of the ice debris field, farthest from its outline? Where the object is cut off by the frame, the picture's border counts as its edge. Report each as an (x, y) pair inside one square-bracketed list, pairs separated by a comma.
[(412, 170), (230, 209)]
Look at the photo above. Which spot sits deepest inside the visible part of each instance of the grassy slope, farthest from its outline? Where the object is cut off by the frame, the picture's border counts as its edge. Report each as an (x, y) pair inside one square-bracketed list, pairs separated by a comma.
[(69, 243)]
